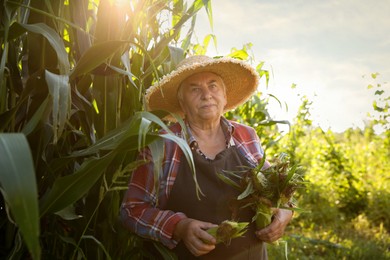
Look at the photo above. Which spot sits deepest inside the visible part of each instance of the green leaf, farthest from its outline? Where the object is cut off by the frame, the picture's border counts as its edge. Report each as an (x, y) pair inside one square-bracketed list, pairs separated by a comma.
[(209, 11), (379, 92), (126, 63), (54, 40), (19, 188), (95, 56), (107, 255), (152, 117), (239, 54), (130, 129), (248, 191), (111, 140), (374, 75), (68, 189), (61, 101), (36, 118), (274, 122), (181, 142), (9, 115), (134, 129), (157, 152), (188, 155), (68, 213), (144, 127), (228, 181)]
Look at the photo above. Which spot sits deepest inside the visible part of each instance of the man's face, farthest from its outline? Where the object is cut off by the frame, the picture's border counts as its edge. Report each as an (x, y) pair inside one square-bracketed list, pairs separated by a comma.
[(202, 97)]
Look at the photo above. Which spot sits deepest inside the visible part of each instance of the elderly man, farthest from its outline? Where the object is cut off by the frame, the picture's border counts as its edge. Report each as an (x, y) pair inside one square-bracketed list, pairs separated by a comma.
[(200, 90)]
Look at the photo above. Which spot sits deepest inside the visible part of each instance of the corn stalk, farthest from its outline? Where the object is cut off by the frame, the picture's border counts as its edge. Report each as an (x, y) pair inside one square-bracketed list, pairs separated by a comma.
[(72, 79)]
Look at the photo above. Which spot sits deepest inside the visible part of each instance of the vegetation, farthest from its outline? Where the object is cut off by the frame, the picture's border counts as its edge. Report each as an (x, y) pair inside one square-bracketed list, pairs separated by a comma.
[(349, 193), (228, 230), (72, 79), (347, 199), (265, 189), (73, 75)]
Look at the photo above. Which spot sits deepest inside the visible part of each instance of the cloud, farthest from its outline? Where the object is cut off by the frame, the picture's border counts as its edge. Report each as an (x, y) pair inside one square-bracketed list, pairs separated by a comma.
[(325, 47)]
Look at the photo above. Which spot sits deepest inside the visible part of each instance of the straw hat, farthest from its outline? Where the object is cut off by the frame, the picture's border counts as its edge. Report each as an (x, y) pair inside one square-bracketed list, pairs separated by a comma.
[(240, 79)]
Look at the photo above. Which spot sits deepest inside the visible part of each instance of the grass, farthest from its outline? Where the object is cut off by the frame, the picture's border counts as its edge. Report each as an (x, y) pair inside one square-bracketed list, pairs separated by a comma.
[(358, 239)]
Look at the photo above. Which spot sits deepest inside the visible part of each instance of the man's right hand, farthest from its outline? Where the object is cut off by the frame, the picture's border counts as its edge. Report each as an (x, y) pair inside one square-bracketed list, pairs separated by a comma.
[(192, 233)]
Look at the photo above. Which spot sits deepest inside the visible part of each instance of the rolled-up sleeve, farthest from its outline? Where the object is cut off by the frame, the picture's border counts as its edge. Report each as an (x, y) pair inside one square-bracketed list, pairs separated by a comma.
[(140, 212)]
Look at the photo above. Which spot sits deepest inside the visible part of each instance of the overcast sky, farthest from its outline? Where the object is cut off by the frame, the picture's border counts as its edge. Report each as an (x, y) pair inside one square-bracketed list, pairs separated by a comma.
[(324, 47)]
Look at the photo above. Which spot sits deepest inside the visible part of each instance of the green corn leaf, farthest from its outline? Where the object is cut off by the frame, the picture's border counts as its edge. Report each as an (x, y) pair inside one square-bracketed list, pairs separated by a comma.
[(68, 189), (7, 117), (248, 191), (59, 90), (134, 128), (19, 188), (95, 56), (100, 244), (182, 144), (228, 181), (113, 138), (144, 127), (188, 154), (55, 41), (36, 118), (157, 151)]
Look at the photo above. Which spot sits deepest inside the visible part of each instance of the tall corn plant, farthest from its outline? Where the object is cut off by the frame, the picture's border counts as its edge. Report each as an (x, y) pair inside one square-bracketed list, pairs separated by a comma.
[(72, 79), (254, 112)]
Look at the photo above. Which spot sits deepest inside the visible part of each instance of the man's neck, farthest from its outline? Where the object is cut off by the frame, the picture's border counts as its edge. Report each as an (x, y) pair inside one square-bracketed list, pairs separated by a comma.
[(206, 130)]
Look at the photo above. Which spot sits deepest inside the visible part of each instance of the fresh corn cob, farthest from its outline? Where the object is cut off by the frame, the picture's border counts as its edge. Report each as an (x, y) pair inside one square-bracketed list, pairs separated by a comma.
[(228, 230), (264, 189)]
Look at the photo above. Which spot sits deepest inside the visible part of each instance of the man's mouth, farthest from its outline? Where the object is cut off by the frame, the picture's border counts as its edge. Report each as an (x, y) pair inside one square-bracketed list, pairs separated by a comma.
[(208, 106)]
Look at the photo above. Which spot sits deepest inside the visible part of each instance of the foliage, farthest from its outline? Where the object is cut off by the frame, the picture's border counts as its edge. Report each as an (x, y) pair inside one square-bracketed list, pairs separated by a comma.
[(382, 103), (17, 179), (255, 113), (264, 188), (72, 79), (347, 196), (346, 201)]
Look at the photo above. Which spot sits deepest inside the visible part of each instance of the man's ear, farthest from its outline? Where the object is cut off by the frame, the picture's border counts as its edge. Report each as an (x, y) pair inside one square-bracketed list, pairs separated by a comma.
[(181, 105)]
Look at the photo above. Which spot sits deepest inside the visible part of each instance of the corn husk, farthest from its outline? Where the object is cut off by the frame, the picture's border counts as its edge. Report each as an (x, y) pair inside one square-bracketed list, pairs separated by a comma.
[(228, 230), (264, 189)]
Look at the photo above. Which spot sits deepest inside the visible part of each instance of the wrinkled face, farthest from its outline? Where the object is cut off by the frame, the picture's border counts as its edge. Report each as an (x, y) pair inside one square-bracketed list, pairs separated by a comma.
[(202, 97)]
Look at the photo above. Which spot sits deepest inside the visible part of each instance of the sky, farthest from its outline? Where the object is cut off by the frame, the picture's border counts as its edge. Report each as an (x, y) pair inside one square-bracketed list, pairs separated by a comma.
[(328, 49)]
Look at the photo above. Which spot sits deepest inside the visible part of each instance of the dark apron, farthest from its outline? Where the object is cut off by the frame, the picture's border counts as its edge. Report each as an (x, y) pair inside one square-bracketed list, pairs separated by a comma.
[(216, 206)]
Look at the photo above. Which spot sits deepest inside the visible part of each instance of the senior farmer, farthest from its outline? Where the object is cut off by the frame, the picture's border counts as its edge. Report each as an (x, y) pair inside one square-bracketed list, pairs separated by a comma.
[(200, 90)]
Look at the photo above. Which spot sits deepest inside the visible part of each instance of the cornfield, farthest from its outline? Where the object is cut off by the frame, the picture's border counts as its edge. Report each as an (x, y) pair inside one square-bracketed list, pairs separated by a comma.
[(73, 74)]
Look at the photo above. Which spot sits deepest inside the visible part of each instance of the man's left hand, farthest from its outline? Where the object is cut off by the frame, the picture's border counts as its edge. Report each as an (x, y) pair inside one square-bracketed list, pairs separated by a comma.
[(275, 230)]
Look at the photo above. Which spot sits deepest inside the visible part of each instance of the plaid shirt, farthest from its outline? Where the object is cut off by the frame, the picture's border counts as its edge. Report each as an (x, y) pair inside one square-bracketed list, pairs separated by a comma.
[(141, 207)]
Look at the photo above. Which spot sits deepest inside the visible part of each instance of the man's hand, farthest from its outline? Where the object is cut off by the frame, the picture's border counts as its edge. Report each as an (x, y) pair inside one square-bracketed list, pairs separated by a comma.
[(192, 233), (275, 230)]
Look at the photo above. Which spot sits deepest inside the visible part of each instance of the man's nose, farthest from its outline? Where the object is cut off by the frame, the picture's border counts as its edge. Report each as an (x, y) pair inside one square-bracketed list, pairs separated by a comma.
[(206, 93)]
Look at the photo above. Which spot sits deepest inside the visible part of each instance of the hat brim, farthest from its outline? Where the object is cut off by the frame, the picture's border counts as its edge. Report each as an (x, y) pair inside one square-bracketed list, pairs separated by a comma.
[(240, 80)]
